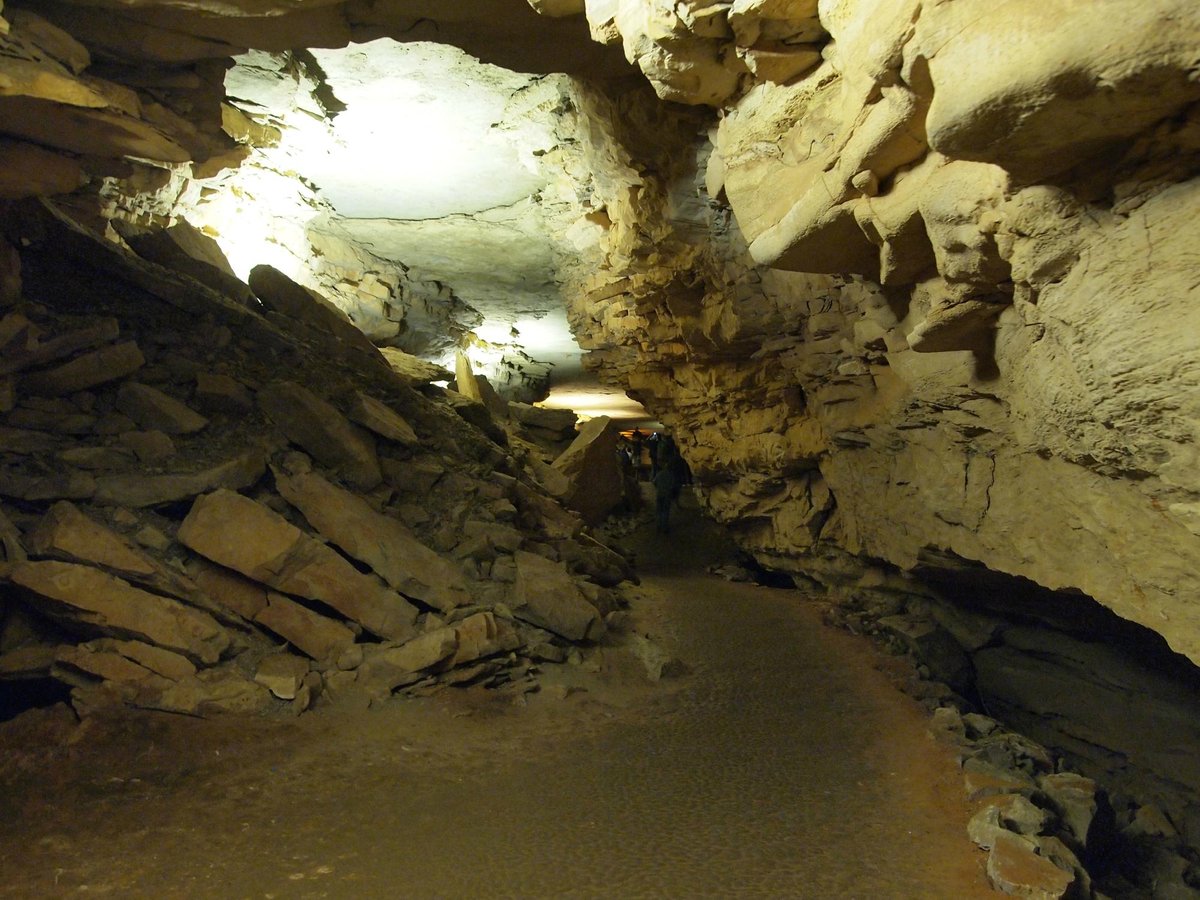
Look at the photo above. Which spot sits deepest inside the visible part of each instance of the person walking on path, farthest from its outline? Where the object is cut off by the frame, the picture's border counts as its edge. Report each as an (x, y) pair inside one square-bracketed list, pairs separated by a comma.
[(666, 486)]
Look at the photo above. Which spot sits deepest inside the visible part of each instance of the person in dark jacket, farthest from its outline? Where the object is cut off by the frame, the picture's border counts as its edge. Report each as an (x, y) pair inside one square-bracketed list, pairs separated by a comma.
[(666, 488)]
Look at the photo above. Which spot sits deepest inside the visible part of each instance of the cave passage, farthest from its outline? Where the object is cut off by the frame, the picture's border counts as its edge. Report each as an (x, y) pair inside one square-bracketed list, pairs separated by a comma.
[(785, 763)]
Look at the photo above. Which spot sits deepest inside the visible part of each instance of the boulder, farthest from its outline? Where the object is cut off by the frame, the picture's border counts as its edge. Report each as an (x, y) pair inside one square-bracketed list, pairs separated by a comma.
[(380, 418), (24, 349), (382, 542), (413, 370), (480, 635), (590, 464), (112, 606), (152, 409), (310, 632), (190, 251), (67, 533), (546, 596), (148, 446), (245, 597), (392, 667), (1014, 867), (217, 393), (155, 490), (245, 536), (101, 366), (282, 674), (322, 431)]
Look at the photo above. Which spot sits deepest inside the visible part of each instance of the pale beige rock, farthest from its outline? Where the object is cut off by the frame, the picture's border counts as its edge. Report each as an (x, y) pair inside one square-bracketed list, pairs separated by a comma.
[(590, 465), (380, 418), (282, 674), (413, 369), (546, 596), (317, 427), (111, 605), (1125, 70), (481, 635), (155, 410), (382, 542), (243, 535), (319, 636), (391, 667), (157, 660), (64, 531)]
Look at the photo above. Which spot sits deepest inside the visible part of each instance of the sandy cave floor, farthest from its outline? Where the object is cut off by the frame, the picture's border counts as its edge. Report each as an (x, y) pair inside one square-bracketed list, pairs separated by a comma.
[(785, 764)]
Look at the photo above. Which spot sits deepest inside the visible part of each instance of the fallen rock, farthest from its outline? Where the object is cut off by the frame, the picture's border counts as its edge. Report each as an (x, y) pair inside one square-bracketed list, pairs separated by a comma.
[(383, 543), (154, 490), (112, 606), (391, 667), (245, 597), (1005, 812), (243, 535), (88, 371), (282, 674), (217, 393), (63, 486), (412, 369), (546, 596), (1077, 801), (162, 662), (24, 350), (1014, 867), (480, 635), (318, 636), (322, 431), (148, 446), (590, 464), (380, 418), (154, 410)]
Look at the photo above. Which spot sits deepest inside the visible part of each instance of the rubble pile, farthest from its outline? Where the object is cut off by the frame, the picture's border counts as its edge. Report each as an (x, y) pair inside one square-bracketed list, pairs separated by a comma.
[(209, 506)]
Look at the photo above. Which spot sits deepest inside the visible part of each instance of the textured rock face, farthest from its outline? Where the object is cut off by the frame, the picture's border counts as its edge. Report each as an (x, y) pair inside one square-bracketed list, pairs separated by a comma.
[(987, 340), (924, 291)]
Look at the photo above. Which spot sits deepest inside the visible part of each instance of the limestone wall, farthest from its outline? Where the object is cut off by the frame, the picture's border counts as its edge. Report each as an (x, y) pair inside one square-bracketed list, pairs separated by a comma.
[(912, 279), (939, 295)]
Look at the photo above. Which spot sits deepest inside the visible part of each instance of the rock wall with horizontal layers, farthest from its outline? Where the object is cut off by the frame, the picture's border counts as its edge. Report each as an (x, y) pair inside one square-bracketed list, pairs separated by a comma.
[(937, 300), (914, 281)]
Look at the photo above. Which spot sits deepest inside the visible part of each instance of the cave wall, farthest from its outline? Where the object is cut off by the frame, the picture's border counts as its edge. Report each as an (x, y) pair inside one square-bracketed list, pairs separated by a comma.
[(939, 292), (905, 278)]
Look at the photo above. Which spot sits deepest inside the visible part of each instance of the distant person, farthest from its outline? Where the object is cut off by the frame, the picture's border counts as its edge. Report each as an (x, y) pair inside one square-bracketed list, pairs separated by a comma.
[(654, 445), (666, 489)]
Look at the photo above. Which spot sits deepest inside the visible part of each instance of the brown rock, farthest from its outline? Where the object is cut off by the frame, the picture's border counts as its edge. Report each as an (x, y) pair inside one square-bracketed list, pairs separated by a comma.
[(311, 423), (98, 367), (312, 633), (154, 490), (245, 597), (480, 635), (162, 662), (33, 661), (150, 446), (66, 533), (97, 457), (188, 250), (113, 606), (64, 486), (154, 410), (1014, 867), (222, 394), (382, 542), (34, 352), (392, 667), (412, 369), (546, 596), (381, 419), (237, 532)]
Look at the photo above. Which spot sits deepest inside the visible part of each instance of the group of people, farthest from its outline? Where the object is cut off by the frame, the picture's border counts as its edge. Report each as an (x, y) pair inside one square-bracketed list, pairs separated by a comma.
[(667, 470)]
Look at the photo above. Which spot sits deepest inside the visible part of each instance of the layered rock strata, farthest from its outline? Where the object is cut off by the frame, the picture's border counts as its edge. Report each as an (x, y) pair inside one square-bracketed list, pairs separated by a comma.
[(322, 532)]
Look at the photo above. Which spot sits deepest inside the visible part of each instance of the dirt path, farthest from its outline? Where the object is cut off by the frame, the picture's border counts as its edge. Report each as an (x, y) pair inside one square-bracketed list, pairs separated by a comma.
[(785, 765)]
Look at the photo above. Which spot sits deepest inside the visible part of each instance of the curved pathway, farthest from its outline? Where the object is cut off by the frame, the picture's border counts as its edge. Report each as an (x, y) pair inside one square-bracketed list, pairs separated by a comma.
[(785, 765)]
